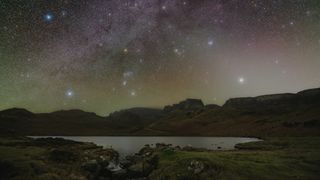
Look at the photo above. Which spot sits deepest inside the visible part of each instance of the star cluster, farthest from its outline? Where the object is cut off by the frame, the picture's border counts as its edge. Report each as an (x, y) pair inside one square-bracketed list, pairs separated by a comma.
[(103, 56)]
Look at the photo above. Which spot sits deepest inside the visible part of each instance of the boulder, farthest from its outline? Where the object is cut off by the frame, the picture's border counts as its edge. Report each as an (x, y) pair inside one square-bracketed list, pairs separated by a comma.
[(196, 166)]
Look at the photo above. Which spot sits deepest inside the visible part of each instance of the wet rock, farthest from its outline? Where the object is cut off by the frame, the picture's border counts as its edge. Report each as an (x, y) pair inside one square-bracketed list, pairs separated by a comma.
[(146, 151), (196, 166), (121, 174), (125, 163), (143, 163), (53, 142), (140, 169), (91, 166), (97, 169), (161, 146)]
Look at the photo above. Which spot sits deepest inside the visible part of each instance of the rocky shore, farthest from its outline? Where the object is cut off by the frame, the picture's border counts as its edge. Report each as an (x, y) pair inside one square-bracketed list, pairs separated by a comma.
[(57, 158), (60, 159)]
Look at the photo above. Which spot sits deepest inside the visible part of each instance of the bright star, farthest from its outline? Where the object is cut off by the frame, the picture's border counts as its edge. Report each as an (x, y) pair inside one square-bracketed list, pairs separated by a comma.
[(210, 43), (241, 80), (69, 93), (48, 17), (133, 93)]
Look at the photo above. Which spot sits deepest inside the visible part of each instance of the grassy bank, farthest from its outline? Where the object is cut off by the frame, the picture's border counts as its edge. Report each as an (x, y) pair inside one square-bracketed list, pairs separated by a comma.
[(274, 158)]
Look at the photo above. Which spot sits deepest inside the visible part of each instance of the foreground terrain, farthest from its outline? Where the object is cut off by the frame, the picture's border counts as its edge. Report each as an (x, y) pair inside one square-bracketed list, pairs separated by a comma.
[(274, 158)]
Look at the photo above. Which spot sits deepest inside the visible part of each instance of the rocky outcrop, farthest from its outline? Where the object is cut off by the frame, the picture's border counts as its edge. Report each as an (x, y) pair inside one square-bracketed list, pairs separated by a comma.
[(186, 105), (276, 101)]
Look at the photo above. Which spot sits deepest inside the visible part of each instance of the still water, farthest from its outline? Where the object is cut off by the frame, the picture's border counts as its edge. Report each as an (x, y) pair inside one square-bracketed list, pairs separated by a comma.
[(127, 145)]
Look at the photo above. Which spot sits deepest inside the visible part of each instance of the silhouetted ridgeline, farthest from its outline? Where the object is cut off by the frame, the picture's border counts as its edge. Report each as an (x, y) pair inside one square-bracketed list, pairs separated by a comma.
[(268, 115), (277, 101)]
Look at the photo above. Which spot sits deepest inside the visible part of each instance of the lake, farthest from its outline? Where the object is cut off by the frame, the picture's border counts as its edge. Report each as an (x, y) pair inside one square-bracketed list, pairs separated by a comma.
[(127, 145)]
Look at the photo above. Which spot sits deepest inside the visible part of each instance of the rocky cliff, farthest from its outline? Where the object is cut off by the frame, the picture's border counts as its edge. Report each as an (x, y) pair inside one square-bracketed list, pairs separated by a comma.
[(276, 101), (188, 104)]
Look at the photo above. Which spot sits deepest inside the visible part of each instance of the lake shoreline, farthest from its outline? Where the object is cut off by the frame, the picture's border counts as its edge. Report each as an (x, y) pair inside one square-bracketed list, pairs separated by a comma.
[(128, 145), (66, 159)]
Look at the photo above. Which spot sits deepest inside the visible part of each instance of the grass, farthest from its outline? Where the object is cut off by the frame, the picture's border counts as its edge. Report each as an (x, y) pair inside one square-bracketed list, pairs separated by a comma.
[(274, 158)]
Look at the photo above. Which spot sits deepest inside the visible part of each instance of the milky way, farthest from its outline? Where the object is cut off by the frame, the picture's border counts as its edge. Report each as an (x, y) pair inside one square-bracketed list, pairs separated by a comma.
[(106, 55)]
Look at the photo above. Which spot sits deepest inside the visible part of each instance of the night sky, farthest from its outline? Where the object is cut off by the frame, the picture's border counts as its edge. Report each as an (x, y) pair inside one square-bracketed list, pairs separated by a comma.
[(106, 55)]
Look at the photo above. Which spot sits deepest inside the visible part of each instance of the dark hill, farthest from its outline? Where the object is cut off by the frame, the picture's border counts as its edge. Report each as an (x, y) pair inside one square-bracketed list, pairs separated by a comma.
[(269, 115)]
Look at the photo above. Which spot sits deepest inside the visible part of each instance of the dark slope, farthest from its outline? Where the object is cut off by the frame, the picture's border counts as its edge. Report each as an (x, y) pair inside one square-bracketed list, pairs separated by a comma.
[(268, 115), (75, 122)]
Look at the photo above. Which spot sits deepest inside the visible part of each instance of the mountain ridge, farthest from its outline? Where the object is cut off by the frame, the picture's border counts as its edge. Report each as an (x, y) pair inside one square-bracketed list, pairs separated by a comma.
[(275, 114)]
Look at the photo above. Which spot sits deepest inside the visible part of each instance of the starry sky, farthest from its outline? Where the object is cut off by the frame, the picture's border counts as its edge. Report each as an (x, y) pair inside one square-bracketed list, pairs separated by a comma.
[(106, 55)]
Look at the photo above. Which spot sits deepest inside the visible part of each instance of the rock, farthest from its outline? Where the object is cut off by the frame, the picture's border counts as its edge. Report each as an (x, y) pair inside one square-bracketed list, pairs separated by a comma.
[(146, 151), (91, 166), (141, 169), (121, 174), (186, 105), (98, 170), (161, 146), (277, 102), (143, 163), (53, 142), (125, 163), (196, 166)]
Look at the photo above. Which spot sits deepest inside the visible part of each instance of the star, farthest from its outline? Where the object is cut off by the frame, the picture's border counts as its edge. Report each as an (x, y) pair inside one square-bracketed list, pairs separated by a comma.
[(210, 42), (241, 80), (63, 13), (133, 93), (69, 93), (48, 17)]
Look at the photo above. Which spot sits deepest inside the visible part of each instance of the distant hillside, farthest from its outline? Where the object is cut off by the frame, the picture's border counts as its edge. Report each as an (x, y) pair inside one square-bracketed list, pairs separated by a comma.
[(268, 115)]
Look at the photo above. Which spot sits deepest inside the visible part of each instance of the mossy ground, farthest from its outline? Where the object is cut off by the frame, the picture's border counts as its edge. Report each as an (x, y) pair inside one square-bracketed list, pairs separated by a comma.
[(274, 158), (27, 159)]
